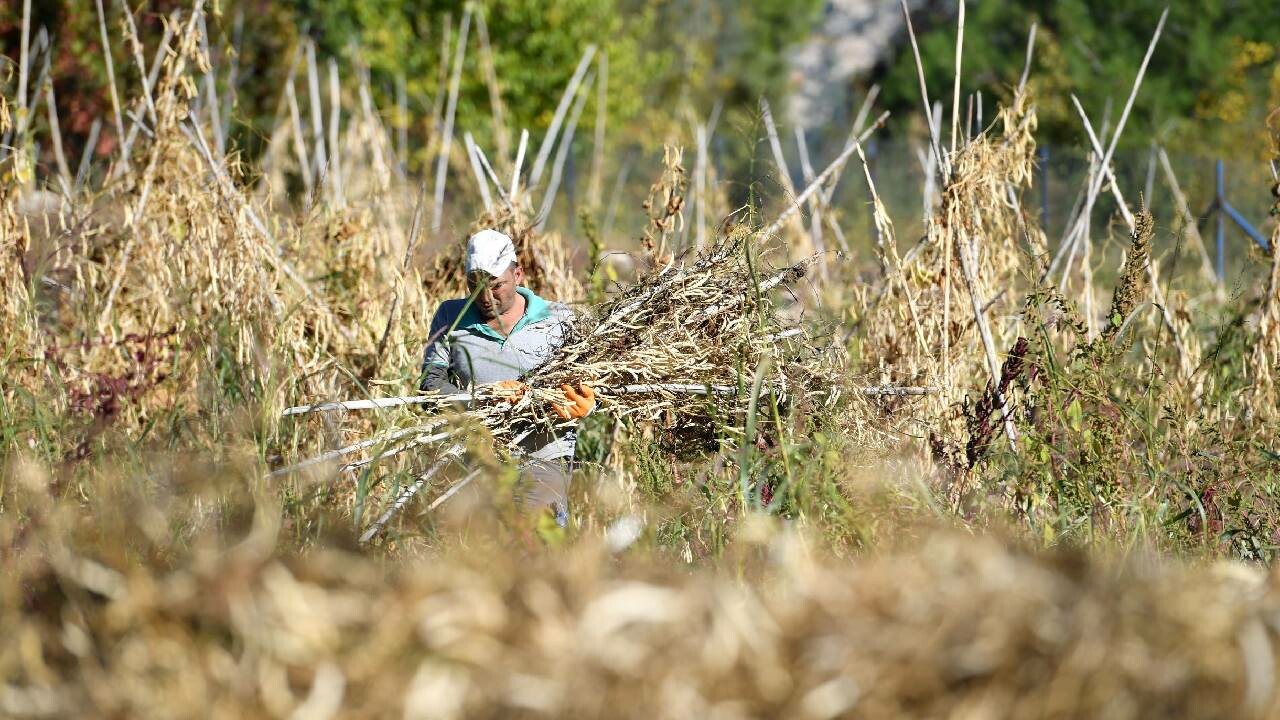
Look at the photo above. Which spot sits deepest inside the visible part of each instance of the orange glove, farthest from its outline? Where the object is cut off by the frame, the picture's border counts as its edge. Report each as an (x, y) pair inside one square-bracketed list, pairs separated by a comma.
[(583, 402), (511, 391)]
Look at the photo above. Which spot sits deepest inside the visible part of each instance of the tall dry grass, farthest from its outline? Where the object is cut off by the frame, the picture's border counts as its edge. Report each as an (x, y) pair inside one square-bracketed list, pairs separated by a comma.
[(160, 318)]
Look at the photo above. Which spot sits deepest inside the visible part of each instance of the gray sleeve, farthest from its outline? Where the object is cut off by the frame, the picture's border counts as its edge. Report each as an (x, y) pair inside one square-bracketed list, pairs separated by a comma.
[(436, 377), (437, 350), (436, 356)]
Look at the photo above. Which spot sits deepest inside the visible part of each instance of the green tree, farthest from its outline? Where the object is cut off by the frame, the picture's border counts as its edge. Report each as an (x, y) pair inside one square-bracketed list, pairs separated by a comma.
[(1211, 81)]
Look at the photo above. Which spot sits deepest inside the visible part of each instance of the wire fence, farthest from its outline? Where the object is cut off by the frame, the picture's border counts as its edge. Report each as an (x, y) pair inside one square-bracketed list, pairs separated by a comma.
[(1229, 200)]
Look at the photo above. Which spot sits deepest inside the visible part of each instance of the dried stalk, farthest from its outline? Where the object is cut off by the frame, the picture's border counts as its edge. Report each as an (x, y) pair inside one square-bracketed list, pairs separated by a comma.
[(448, 456)]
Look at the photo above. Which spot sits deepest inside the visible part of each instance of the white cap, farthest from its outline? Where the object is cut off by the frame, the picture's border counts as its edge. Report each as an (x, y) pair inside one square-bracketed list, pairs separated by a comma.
[(490, 251)]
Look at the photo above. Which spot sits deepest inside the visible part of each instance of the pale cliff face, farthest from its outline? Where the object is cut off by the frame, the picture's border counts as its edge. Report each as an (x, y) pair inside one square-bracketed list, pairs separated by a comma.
[(851, 39)]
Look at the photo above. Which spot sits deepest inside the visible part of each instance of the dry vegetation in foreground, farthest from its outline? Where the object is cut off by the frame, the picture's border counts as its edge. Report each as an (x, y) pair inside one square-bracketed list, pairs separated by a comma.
[(1002, 546)]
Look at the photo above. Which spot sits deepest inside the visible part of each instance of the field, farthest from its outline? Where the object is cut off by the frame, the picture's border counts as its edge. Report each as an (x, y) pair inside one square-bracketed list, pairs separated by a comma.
[(985, 469)]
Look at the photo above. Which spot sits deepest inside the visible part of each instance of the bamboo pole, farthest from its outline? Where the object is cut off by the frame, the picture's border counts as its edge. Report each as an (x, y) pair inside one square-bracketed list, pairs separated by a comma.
[(211, 91), (1095, 186), (780, 162), (955, 91), (493, 176), (111, 82), (402, 121), (562, 153), (317, 117), (442, 163), (154, 75), (86, 156), (55, 130), (615, 197), (192, 130), (855, 135), (515, 167), (943, 162), (353, 448), (1156, 291), (442, 79), (638, 389), (233, 73), (700, 187), (984, 330), (888, 245), (417, 442), (135, 217), (1191, 228), (815, 202), (481, 181), (135, 45), (299, 140), (1026, 65), (411, 242), (597, 147), (501, 133), (24, 61), (833, 169), (379, 139), (335, 119), (570, 92)]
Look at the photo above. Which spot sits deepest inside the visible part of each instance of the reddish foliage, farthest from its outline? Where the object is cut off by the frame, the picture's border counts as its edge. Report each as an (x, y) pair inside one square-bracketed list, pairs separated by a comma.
[(102, 397)]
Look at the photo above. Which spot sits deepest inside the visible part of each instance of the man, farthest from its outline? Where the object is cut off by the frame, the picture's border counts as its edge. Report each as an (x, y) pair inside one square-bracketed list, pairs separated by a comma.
[(496, 335)]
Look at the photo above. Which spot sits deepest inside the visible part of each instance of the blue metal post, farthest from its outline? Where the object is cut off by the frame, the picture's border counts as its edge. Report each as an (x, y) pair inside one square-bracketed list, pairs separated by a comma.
[(1220, 201)]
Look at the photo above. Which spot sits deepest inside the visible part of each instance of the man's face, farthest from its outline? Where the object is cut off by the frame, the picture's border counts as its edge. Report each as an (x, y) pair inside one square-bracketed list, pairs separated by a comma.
[(496, 295)]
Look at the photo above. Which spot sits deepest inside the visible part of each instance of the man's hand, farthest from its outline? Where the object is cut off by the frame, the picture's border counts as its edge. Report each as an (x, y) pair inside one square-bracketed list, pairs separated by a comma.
[(583, 401), (511, 391)]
